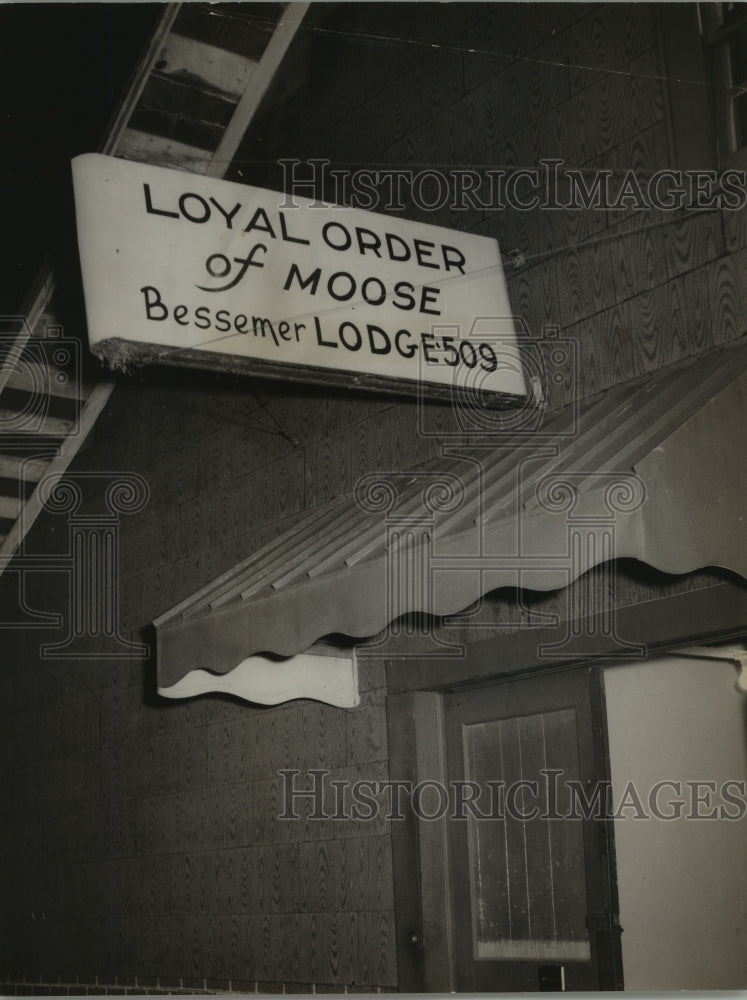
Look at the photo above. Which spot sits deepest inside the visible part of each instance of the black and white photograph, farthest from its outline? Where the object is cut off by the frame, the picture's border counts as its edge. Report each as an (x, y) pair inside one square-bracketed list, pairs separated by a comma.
[(373, 497)]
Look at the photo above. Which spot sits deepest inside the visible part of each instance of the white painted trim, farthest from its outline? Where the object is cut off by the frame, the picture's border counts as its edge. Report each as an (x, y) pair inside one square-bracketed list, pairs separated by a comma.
[(28, 321), (143, 147), (141, 75), (10, 507), (68, 450), (731, 654), (17, 421), (262, 681), (258, 86), (24, 469), (226, 71)]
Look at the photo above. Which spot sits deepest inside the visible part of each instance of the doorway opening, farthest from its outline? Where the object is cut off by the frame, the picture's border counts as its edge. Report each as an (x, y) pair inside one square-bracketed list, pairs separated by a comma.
[(513, 888)]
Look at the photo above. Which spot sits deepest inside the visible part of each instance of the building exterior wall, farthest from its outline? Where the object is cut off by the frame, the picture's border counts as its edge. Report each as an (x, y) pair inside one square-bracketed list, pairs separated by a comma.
[(586, 84), (143, 845), (143, 836)]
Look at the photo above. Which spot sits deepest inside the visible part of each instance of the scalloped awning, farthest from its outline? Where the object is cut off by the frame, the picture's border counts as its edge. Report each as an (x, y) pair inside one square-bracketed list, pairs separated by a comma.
[(654, 470)]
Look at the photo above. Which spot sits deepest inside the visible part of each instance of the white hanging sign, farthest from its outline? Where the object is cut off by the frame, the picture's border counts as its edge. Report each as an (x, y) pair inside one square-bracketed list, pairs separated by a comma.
[(184, 269)]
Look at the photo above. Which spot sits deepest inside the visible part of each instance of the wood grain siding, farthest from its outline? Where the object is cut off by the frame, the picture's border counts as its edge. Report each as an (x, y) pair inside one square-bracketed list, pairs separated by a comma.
[(157, 849)]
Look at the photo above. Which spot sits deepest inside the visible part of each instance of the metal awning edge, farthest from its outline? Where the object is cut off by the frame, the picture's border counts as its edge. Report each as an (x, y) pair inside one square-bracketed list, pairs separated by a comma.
[(687, 516)]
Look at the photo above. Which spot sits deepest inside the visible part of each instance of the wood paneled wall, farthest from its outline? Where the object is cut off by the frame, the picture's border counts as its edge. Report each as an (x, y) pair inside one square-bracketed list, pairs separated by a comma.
[(141, 841), (143, 844), (503, 87)]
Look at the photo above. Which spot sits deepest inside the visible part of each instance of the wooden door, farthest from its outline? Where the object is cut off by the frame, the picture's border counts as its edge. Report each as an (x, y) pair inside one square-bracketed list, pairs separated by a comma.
[(532, 888)]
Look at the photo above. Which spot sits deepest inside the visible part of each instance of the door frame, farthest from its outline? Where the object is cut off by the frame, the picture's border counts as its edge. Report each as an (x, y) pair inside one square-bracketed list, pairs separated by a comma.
[(582, 687), (417, 750), (420, 848)]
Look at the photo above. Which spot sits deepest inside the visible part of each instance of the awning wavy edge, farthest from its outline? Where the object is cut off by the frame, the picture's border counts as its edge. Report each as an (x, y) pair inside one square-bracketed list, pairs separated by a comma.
[(356, 601), (689, 517)]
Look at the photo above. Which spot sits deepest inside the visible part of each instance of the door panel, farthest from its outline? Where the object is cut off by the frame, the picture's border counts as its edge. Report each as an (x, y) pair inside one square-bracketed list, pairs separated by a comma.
[(527, 878)]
